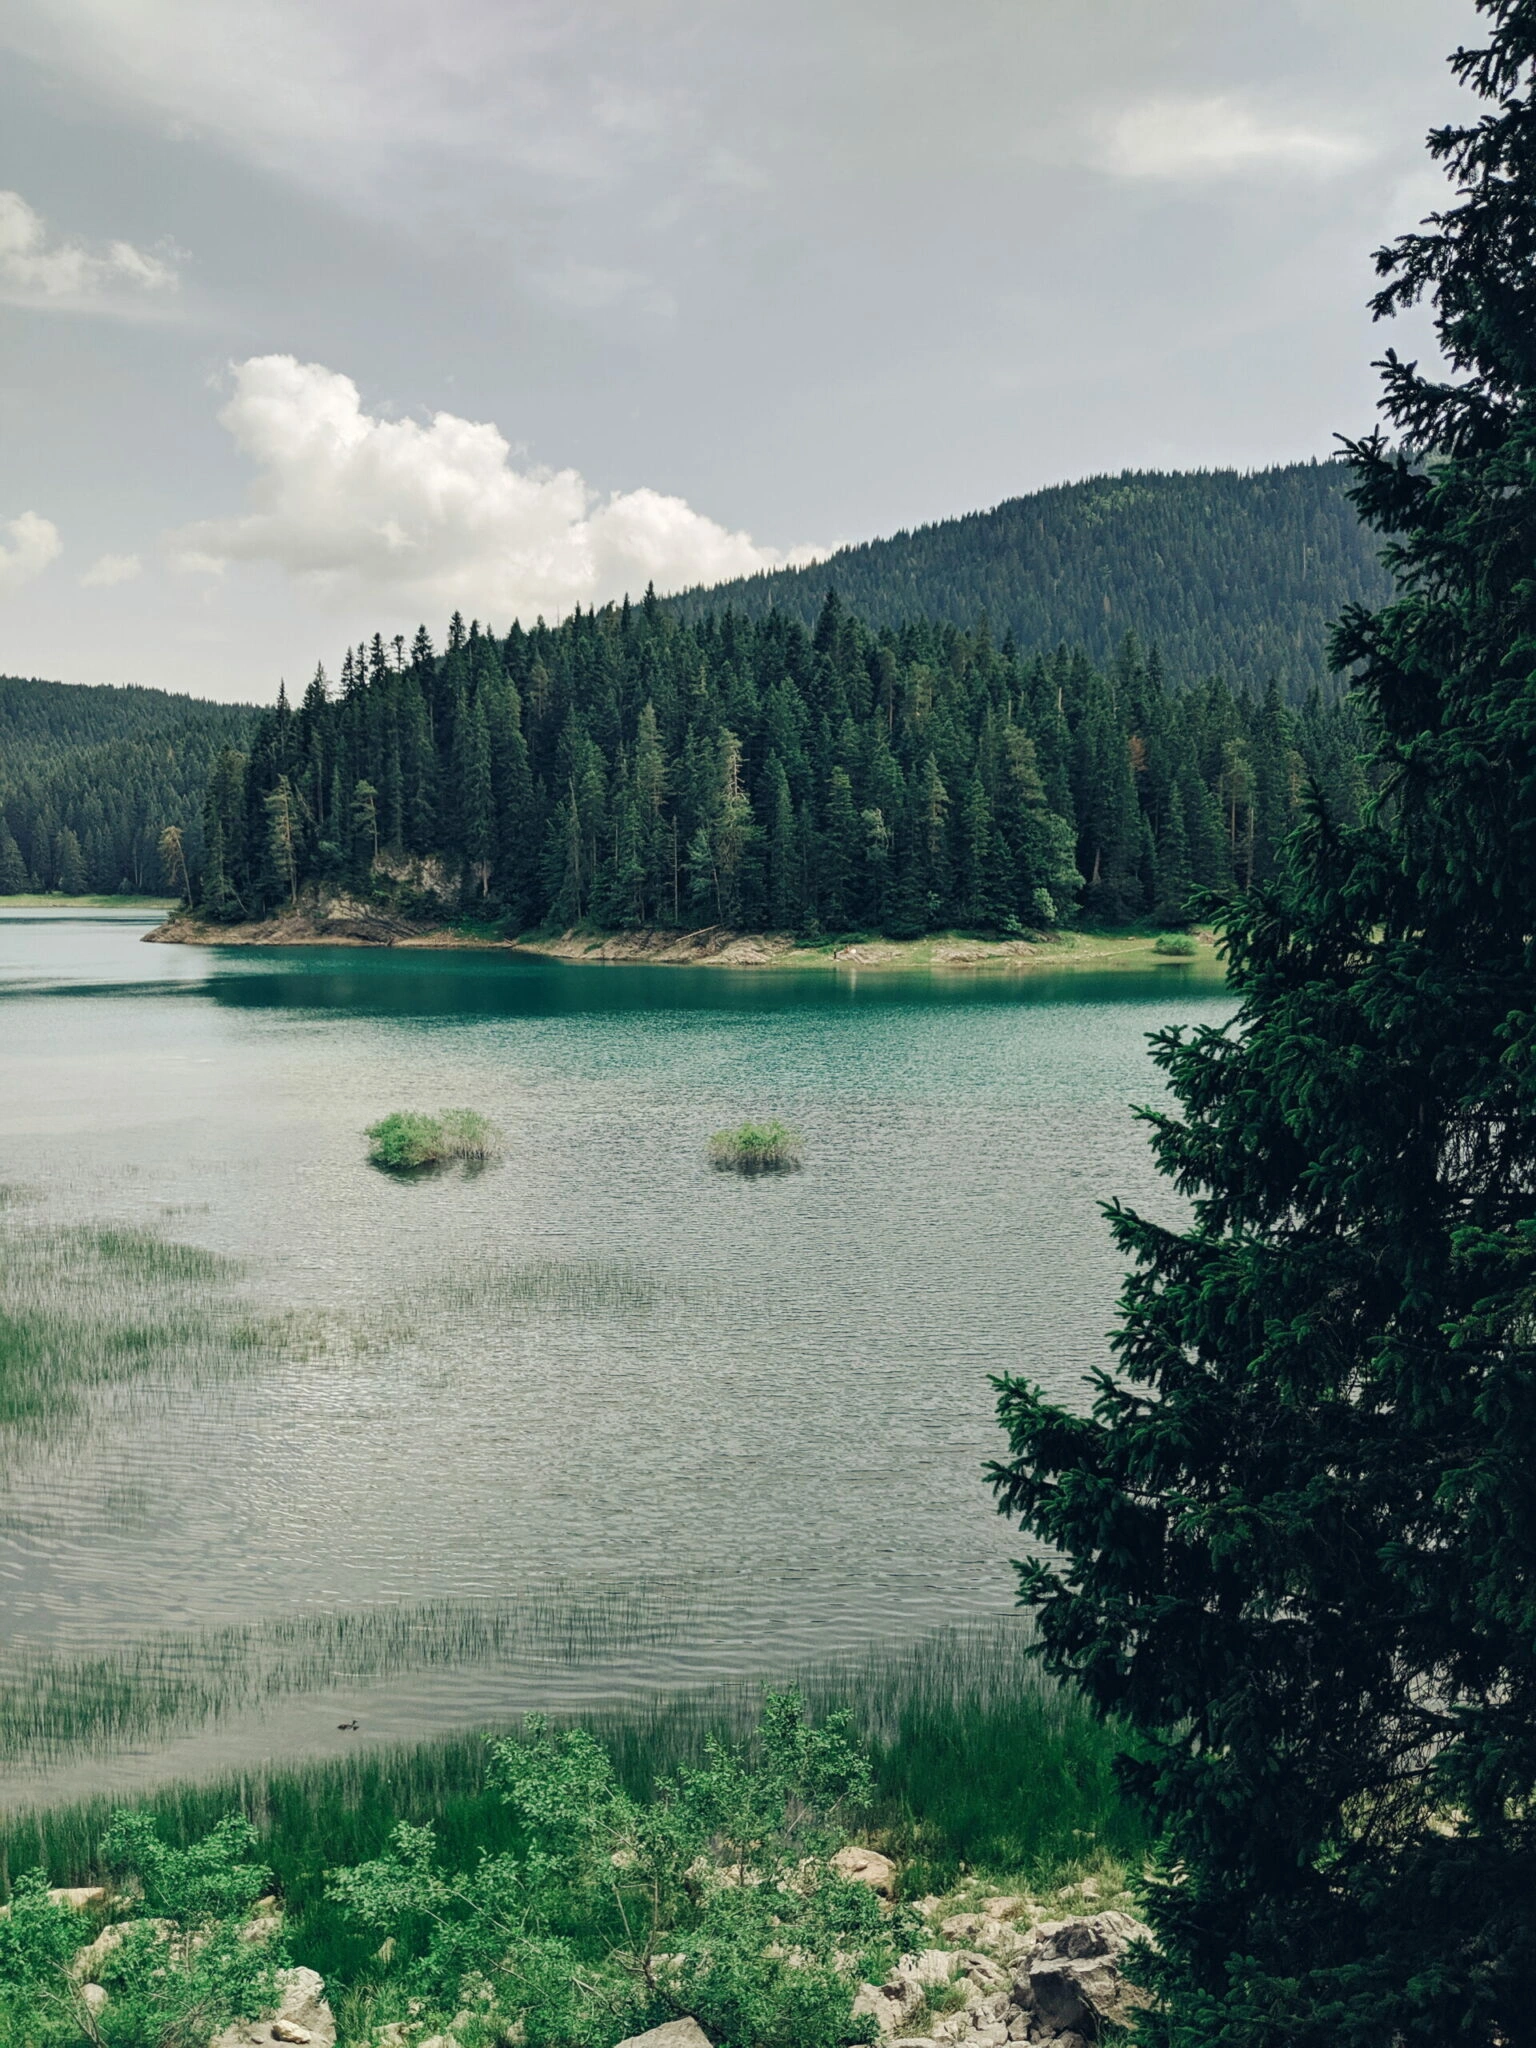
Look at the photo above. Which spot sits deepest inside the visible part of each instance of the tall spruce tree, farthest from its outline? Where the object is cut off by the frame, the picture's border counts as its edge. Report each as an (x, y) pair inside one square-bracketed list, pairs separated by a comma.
[(1295, 1541)]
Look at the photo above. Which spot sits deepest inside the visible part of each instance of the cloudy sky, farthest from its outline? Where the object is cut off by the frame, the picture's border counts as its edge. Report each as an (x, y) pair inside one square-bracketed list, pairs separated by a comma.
[(318, 316)]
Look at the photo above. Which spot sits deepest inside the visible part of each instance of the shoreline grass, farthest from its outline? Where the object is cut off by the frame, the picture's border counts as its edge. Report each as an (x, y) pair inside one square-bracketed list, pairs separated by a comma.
[(36, 901), (983, 1767)]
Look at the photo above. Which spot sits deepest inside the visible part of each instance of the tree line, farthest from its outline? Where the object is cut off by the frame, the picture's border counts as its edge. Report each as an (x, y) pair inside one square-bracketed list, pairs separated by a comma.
[(629, 768)]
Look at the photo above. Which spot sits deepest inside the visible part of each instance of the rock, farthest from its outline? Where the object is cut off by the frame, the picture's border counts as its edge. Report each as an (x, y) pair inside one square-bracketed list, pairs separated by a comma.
[(93, 1997), (301, 2008), (932, 1966), (867, 1866), (1006, 1907), (90, 1959), (889, 2006), (77, 1895), (444, 2041), (675, 2034), (984, 1973), (963, 1926), (1075, 1981)]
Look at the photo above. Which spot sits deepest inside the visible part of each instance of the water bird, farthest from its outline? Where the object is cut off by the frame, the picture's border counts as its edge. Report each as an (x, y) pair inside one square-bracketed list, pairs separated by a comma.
[(346, 1724)]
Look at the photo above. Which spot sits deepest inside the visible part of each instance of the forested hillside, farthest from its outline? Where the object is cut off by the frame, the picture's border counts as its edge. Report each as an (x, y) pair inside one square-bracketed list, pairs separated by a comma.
[(90, 778), (1226, 573), (631, 768)]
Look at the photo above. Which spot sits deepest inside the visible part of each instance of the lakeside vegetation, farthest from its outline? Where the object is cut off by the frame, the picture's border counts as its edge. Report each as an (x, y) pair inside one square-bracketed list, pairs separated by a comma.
[(978, 1773), (83, 1305)]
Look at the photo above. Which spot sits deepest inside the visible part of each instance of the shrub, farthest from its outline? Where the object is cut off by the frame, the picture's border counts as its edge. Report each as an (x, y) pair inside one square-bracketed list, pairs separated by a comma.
[(406, 1139), (174, 1979), (756, 1148), (1176, 946), (713, 1896)]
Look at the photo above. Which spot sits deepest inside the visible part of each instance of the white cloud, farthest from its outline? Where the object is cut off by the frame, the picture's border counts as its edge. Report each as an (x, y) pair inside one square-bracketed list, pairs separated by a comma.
[(34, 543), (109, 569), (37, 269), (438, 514), (1217, 137)]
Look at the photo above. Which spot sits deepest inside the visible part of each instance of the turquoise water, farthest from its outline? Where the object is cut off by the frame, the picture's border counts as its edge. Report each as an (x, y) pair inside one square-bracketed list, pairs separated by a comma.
[(590, 1422)]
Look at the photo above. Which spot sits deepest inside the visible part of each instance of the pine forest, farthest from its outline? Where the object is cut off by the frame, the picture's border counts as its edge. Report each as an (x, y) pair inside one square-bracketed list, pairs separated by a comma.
[(630, 769)]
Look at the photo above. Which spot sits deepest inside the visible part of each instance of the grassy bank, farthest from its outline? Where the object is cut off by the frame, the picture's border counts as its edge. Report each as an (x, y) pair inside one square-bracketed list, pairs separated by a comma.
[(983, 1771), (55, 902)]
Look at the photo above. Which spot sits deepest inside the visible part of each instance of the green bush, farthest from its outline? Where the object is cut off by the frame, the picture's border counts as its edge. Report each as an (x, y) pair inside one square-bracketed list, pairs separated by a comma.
[(1177, 946), (174, 1979), (756, 1148), (713, 1896), (406, 1139)]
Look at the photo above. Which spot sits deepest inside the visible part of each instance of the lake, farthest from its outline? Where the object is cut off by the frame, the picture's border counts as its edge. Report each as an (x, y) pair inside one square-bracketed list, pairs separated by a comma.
[(594, 1422)]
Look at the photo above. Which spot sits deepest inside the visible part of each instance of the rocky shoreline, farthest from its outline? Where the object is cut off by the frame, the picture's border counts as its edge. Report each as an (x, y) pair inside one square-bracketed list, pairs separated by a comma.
[(998, 1973), (350, 921)]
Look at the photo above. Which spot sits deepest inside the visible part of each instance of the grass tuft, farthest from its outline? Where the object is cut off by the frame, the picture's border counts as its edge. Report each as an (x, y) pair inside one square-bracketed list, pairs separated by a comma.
[(756, 1148), (407, 1140)]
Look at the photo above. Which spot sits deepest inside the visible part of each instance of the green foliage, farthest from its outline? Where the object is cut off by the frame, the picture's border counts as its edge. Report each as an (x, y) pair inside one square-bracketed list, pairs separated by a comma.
[(757, 1148), (406, 1139), (632, 769), (172, 1980), (711, 1895), (1223, 571), (979, 1763), (92, 778), (214, 1879), (1293, 1542), (1176, 946)]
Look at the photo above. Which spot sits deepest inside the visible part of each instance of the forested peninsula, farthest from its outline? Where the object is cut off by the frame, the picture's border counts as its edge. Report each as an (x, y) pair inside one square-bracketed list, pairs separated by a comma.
[(630, 769)]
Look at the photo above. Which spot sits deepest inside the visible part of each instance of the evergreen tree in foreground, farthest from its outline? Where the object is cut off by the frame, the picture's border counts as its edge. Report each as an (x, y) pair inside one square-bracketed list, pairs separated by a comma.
[(1297, 1537)]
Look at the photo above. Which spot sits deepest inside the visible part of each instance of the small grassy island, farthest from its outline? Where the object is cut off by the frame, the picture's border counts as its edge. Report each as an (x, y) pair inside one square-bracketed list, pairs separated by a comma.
[(769, 1147), (406, 1140)]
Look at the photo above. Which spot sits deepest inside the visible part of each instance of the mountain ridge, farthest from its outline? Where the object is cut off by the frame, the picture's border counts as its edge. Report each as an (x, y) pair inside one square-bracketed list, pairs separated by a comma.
[(1238, 572)]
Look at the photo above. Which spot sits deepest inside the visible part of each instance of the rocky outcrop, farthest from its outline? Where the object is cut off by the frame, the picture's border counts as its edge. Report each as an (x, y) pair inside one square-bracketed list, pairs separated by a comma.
[(1061, 1983), (339, 921)]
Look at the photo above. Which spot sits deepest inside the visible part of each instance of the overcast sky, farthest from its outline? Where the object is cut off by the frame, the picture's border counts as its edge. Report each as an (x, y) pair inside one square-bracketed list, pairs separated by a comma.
[(326, 315)]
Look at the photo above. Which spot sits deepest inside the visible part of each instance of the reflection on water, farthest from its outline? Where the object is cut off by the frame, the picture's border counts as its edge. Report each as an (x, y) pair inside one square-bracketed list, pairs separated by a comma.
[(596, 1366)]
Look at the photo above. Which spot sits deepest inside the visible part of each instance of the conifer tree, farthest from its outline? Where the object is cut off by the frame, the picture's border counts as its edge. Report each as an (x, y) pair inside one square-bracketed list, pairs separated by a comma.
[(13, 869), (1295, 1541)]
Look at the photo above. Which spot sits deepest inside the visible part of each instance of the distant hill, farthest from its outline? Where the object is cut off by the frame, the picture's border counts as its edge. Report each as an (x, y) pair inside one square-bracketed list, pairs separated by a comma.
[(90, 777), (1223, 572)]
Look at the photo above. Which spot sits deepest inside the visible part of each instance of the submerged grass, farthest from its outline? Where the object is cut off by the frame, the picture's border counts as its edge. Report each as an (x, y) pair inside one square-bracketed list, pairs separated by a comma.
[(983, 1768), (82, 1305), (757, 1148), (53, 1708)]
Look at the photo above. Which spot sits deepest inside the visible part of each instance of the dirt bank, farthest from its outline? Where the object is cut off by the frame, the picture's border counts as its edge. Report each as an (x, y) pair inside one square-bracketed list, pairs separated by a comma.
[(345, 923)]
